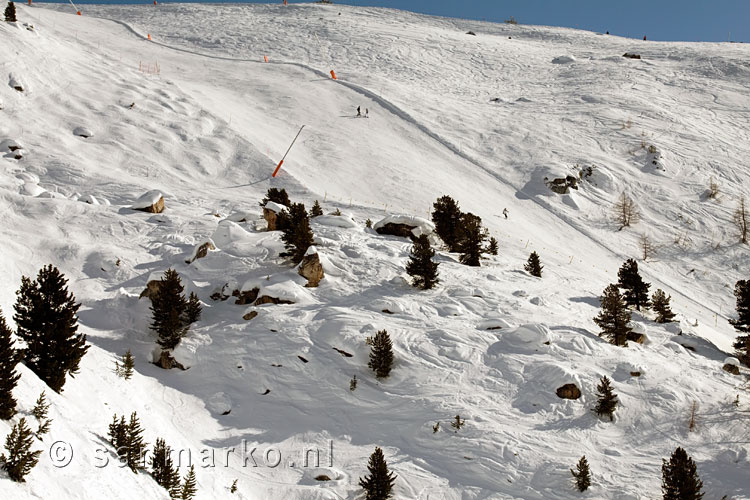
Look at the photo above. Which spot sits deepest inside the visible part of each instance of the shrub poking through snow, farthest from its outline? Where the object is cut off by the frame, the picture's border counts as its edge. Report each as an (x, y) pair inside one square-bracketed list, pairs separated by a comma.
[(381, 354), (582, 474), (492, 248), (607, 400), (447, 218), (316, 210), (297, 236), (379, 483), (47, 322), (660, 304), (614, 317), (742, 323), (742, 220), (533, 265), (679, 478), (168, 307), (458, 422), (473, 236), (353, 384), (368, 224), (10, 13), (9, 358), (625, 211), (636, 290), (163, 470), (127, 438), (420, 267), (233, 488), (189, 487), (39, 411), (128, 363), (20, 459), (276, 195)]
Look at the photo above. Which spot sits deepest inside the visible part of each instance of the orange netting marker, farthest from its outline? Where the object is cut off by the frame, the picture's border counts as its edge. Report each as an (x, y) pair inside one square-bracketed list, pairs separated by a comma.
[(78, 13), (333, 75)]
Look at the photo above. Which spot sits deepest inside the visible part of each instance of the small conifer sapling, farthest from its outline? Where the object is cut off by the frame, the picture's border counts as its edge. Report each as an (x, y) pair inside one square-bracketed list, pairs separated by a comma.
[(447, 218), (582, 474), (10, 13), (189, 486), (316, 210), (614, 317), (607, 400), (660, 304), (381, 354), (533, 265), (420, 267), (458, 422), (168, 306), (471, 244), (635, 289), (19, 459), (297, 236), (276, 195), (162, 467), (193, 309), (742, 323), (492, 248), (128, 363)]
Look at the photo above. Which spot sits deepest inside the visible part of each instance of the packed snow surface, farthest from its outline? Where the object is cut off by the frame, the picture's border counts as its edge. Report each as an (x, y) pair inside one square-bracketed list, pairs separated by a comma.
[(196, 113)]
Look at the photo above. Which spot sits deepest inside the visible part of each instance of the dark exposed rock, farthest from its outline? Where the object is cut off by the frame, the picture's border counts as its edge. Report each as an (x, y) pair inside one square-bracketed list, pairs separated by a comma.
[(568, 391)]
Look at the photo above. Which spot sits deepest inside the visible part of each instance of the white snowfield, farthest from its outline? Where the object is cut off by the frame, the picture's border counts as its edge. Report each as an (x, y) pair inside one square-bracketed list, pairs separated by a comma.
[(198, 115)]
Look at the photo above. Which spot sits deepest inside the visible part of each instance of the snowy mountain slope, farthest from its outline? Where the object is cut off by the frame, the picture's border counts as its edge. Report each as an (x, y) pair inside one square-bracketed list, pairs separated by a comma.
[(208, 132)]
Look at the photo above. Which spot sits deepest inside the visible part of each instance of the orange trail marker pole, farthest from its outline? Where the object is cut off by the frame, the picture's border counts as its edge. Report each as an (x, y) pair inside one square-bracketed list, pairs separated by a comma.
[(287, 152), (265, 58), (333, 75), (149, 36)]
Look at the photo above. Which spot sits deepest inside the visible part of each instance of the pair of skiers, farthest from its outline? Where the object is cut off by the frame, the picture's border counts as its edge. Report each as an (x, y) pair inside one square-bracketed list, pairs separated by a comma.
[(359, 112)]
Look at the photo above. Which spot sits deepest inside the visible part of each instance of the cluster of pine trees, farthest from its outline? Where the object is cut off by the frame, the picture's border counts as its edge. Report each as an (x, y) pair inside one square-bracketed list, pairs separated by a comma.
[(614, 318), (462, 232), (127, 439), (679, 481), (294, 223)]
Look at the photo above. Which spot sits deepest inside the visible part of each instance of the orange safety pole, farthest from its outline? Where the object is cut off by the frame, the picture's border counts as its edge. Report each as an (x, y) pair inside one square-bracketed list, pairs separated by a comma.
[(333, 75), (78, 13), (278, 167), (149, 36), (265, 58)]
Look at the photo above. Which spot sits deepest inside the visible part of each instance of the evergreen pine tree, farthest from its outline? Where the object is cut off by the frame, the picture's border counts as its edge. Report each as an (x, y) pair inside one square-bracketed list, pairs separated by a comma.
[(276, 195), (379, 483), (472, 239), (660, 304), (9, 358), (614, 317), (168, 306), (420, 266), (128, 363), (582, 474), (492, 248), (316, 210), (381, 354), (679, 478), (20, 459), (10, 12), (447, 217), (742, 323), (162, 467), (40, 412), (193, 309), (607, 402), (636, 290), (135, 446), (47, 322), (297, 236), (189, 487), (118, 435), (533, 265)]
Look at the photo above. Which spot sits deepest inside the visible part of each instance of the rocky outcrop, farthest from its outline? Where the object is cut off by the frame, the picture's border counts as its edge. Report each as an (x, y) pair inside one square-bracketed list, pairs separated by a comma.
[(561, 185), (271, 213), (250, 315), (311, 268), (405, 226), (568, 391), (152, 288), (246, 297), (630, 55), (731, 365), (266, 299), (151, 201), (167, 361)]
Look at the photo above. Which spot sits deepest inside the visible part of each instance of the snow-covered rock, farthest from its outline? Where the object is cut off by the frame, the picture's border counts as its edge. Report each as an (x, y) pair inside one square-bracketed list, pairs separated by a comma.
[(404, 225), (150, 201)]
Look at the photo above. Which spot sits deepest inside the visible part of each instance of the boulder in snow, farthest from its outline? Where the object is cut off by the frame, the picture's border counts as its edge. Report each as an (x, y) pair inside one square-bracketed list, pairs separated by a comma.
[(406, 226), (15, 83), (311, 268), (201, 251), (271, 213), (167, 361), (568, 391), (246, 296), (151, 201), (83, 132), (561, 185), (731, 365), (631, 55)]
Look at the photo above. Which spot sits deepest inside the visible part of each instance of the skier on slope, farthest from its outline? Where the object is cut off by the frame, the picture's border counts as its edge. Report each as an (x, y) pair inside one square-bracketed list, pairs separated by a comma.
[(359, 113)]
